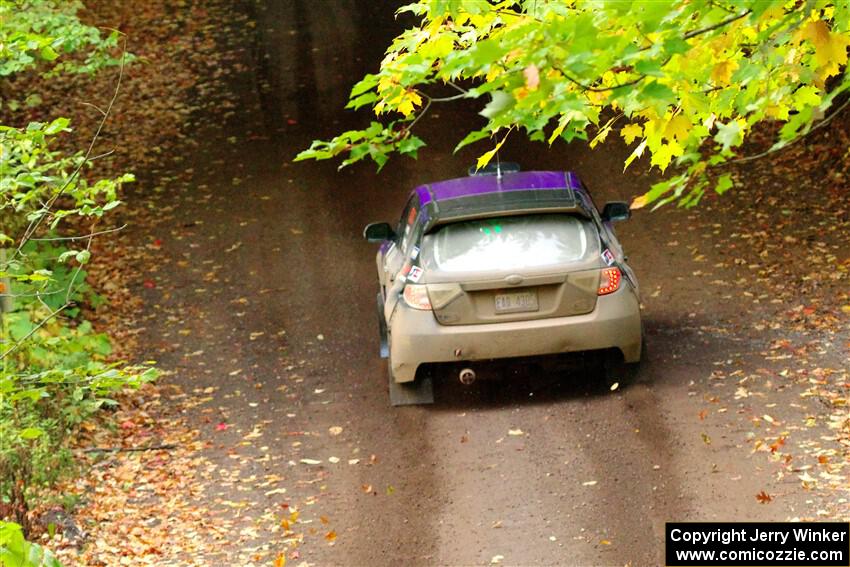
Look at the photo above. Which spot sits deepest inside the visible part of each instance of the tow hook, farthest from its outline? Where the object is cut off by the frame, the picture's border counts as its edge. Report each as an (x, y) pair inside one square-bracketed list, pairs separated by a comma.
[(467, 376)]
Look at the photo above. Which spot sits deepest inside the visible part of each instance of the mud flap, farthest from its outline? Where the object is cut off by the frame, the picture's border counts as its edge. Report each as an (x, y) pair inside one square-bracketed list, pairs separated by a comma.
[(382, 328), (420, 391)]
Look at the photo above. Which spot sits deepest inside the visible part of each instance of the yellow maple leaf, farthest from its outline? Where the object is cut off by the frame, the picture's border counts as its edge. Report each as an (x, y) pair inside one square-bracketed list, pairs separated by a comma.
[(678, 128), (407, 101), (722, 72), (639, 202), (638, 151), (559, 129), (597, 97), (487, 156), (600, 137), (664, 155), (830, 48), (280, 561), (630, 132)]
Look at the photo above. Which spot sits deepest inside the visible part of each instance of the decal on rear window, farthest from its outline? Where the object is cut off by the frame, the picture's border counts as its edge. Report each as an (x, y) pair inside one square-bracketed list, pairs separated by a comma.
[(414, 253), (608, 257)]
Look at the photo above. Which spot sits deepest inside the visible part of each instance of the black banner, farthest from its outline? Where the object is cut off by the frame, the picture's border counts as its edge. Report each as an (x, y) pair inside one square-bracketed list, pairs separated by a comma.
[(762, 544)]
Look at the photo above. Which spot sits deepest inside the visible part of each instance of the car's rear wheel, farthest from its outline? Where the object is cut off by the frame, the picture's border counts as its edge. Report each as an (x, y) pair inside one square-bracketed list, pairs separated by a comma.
[(614, 370), (382, 328)]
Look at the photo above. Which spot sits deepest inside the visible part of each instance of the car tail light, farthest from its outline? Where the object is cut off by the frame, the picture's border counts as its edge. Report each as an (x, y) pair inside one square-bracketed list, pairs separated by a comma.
[(610, 281), (416, 296)]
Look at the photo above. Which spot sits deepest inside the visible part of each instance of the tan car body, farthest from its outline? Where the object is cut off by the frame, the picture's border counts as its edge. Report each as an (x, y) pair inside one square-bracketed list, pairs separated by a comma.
[(463, 325)]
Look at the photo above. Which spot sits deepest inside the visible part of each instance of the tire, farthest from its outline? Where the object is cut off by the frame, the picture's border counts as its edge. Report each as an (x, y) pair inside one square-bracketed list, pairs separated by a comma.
[(614, 370), (382, 328)]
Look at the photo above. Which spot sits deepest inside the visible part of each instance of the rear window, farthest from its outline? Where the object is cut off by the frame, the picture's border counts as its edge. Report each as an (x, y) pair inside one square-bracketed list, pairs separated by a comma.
[(508, 243)]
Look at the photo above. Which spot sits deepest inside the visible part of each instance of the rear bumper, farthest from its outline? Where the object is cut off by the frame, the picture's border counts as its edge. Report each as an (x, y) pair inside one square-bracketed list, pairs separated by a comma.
[(417, 338)]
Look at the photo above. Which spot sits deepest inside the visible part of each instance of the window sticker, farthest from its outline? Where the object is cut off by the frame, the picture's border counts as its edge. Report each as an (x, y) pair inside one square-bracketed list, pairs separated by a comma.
[(608, 257), (415, 274), (414, 253), (412, 216)]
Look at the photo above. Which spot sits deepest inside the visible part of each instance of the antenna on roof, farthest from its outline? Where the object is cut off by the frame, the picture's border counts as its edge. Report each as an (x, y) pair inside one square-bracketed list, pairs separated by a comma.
[(498, 165)]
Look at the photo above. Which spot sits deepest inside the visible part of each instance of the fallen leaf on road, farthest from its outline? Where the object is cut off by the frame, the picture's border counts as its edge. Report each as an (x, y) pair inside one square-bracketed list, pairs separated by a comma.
[(497, 559), (335, 430), (763, 497), (515, 432), (589, 483), (310, 462)]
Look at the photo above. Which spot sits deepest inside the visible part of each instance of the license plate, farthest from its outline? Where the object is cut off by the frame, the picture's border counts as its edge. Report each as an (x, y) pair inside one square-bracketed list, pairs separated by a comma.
[(516, 302)]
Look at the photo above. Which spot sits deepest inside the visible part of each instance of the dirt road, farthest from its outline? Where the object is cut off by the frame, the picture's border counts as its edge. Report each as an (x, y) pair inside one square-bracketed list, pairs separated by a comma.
[(266, 305)]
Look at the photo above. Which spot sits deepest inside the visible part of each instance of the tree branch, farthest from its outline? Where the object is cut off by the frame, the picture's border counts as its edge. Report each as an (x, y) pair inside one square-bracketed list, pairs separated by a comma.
[(83, 237), (719, 24), (772, 150)]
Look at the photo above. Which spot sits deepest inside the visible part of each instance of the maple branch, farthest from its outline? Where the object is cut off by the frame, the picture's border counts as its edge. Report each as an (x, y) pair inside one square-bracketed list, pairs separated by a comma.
[(719, 24), (598, 89), (774, 149)]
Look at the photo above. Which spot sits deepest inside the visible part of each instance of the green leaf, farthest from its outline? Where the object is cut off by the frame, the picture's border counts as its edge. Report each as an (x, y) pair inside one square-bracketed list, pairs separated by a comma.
[(471, 138), (729, 134), (31, 433), (724, 183), (500, 101), (410, 145), (83, 256), (48, 53), (56, 126)]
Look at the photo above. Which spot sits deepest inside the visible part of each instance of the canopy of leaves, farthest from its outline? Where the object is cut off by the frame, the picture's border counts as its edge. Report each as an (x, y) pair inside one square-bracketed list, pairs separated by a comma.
[(682, 81), (39, 31)]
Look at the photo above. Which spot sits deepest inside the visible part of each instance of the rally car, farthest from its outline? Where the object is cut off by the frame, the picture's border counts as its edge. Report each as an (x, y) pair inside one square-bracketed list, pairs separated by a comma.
[(497, 265)]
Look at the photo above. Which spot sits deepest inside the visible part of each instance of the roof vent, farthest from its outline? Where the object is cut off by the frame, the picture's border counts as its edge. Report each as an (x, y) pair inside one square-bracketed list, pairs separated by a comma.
[(497, 169)]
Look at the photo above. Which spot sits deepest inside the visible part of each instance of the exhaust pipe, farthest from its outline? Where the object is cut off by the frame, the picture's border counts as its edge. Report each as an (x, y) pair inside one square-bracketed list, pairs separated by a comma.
[(467, 376)]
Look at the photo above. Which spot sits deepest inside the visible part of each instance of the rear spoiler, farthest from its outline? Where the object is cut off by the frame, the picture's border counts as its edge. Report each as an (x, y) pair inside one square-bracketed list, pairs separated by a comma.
[(509, 203)]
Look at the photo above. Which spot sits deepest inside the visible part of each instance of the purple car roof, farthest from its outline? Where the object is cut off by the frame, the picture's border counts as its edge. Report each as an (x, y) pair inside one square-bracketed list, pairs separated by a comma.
[(488, 184)]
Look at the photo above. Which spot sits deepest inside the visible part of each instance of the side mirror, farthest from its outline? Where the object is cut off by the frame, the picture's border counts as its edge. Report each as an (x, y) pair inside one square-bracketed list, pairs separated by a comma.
[(616, 211), (378, 232)]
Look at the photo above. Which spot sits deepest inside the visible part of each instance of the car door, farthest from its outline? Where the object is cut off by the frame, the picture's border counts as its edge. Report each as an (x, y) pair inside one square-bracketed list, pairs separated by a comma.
[(396, 258)]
